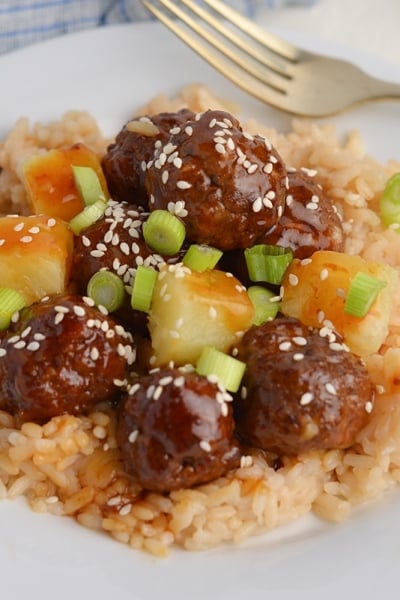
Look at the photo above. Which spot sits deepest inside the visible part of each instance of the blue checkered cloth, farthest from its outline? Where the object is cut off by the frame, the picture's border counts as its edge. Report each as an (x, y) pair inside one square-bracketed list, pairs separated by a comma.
[(24, 22)]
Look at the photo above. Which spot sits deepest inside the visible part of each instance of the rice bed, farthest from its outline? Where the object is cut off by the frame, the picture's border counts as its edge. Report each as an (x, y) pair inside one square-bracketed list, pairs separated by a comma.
[(72, 465)]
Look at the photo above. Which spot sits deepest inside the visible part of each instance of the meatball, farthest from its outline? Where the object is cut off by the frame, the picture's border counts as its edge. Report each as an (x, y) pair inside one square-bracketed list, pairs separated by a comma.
[(133, 148), (226, 185), (302, 389), (309, 222), (115, 243), (176, 430), (62, 356)]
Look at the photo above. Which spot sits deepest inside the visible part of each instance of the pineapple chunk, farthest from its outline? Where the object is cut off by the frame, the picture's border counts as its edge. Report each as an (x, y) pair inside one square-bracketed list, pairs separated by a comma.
[(50, 184), (35, 255), (314, 291), (192, 309)]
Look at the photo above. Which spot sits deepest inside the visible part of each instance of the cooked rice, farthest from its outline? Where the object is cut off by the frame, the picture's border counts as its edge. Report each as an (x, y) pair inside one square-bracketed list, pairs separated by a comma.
[(72, 466)]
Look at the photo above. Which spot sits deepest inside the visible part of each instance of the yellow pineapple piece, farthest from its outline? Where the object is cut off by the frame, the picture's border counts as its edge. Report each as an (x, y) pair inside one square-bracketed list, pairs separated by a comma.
[(192, 309), (50, 184), (315, 291), (35, 255)]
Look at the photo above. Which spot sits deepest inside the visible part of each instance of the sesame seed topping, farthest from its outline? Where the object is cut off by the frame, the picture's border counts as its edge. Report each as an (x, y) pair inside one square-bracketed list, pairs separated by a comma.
[(206, 446), (33, 346), (298, 356), (26, 239), (183, 185), (306, 398), (330, 388), (324, 274), (284, 346), (299, 340), (293, 279), (368, 407)]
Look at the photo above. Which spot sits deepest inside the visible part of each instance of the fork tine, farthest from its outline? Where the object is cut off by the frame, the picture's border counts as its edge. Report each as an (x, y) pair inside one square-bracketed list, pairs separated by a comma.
[(239, 77), (262, 56), (270, 41), (268, 77)]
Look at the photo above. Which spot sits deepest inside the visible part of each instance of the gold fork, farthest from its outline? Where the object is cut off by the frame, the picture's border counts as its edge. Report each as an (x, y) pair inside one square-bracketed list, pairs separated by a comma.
[(267, 67)]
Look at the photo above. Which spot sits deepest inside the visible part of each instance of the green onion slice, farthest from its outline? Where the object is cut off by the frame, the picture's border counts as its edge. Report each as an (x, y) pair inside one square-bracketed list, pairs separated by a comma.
[(267, 263), (265, 304), (228, 370), (88, 216), (362, 293), (88, 184), (164, 232), (390, 202), (11, 301), (200, 257), (106, 289), (143, 287)]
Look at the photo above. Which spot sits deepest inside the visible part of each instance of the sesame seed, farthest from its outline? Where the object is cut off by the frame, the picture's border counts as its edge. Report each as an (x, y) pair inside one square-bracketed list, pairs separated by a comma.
[(19, 227), (268, 168), (58, 318), (94, 353), (206, 446), (34, 230), (79, 311), (293, 279), (26, 239), (368, 407), (306, 398), (324, 274), (51, 222), (33, 346), (157, 392), (257, 204), (164, 177), (252, 169), (20, 345), (3, 352), (183, 185), (299, 340), (298, 356), (284, 346), (96, 253), (330, 388), (179, 381), (220, 148)]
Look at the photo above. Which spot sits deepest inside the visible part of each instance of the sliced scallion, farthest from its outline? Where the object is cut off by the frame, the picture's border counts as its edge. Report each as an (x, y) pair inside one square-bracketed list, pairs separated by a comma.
[(390, 202), (164, 232), (200, 257), (11, 301), (363, 291), (267, 263), (265, 304), (88, 216), (106, 289), (228, 370), (143, 287), (88, 184)]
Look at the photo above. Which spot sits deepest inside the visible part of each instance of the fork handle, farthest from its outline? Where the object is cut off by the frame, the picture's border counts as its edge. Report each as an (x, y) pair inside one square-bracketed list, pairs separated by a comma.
[(379, 88)]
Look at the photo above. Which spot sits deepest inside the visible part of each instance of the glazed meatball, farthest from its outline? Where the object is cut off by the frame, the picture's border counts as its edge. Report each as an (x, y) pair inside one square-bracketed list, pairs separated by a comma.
[(133, 148), (176, 431), (302, 389), (62, 356), (115, 243), (226, 185), (309, 222)]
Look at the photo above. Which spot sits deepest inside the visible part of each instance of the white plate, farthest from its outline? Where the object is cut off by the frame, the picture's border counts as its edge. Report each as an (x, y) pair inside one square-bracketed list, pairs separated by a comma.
[(109, 72)]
